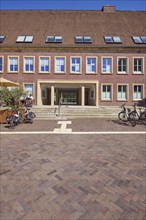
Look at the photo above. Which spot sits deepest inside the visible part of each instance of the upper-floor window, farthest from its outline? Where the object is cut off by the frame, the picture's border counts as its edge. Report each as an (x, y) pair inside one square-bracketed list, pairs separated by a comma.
[(106, 92), (122, 65), (75, 64), (113, 39), (139, 39), (54, 39), (24, 39), (90, 65), (138, 65), (59, 64), (44, 64), (1, 64), (122, 92), (83, 39), (106, 65), (2, 38), (29, 64), (138, 92), (13, 64)]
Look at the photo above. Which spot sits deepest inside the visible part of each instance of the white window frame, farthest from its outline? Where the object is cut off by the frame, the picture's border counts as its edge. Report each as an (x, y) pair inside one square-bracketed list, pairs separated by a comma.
[(13, 63), (111, 92), (111, 67), (91, 72), (2, 65), (24, 64), (76, 65), (59, 71), (142, 92), (127, 65), (127, 92), (40, 64), (138, 72)]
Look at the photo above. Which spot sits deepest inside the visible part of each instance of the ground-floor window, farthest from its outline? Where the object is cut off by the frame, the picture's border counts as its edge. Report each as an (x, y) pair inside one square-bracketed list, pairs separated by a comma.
[(138, 92), (122, 92), (29, 88), (106, 92)]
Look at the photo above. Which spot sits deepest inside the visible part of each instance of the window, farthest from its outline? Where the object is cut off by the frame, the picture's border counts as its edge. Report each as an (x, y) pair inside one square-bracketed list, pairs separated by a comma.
[(2, 38), (29, 89), (139, 39), (122, 65), (29, 64), (90, 65), (54, 39), (1, 64), (138, 92), (13, 64), (24, 39), (122, 92), (112, 40), (138, 65), (106, 93), (75, 65), (107, 65), (59, 64), (44, 66), (83, 39)]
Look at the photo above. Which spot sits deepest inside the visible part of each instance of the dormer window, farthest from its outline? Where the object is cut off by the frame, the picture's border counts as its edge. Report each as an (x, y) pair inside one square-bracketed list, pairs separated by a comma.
[(2, 38), (54, 39), (112, 39), (83, 39), (139, 39), (24, 39)]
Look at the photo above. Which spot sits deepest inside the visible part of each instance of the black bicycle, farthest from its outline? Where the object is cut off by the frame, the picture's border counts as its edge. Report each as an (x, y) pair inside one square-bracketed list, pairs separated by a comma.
[(138, 114), (126, 115), (14, 119)]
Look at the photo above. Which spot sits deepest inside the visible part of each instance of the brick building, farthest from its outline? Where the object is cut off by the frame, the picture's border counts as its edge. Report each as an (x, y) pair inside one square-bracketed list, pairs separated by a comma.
[(83, 57)]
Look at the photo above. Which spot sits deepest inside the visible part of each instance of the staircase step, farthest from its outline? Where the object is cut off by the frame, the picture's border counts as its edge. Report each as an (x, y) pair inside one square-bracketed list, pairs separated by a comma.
[(47, 112)]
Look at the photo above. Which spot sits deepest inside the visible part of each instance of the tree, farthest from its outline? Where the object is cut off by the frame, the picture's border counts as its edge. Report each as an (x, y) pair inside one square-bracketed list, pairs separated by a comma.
[(11, 97)]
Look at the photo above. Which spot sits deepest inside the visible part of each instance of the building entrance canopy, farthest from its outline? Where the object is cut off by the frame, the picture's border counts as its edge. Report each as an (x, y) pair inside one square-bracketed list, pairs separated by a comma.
[(67, 92)]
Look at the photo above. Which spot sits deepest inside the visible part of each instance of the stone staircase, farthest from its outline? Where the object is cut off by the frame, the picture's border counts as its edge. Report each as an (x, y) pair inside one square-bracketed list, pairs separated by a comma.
[(65, 112)]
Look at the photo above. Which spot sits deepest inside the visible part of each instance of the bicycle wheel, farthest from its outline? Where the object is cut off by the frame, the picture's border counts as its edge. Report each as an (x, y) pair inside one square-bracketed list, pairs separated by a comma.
[(12, 124), (132, 120), (143, 117), (32, 115), (122, 116)]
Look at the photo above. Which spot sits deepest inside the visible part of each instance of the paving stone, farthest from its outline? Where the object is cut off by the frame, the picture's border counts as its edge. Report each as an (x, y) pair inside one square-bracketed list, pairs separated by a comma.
[(73, 177)]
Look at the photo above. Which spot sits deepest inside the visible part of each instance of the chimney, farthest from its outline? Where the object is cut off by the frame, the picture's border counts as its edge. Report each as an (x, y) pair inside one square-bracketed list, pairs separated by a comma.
[(108, 9)]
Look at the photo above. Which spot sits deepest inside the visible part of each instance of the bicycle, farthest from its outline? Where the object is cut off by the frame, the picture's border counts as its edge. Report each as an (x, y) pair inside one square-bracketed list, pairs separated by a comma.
[(126, 116), (140, 116), (14, 119), (29, 116)]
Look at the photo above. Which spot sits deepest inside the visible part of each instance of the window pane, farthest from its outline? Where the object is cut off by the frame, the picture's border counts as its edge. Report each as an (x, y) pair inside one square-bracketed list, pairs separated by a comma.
[(107, 65), (29, 39), (20, 39), (91, 65), (138, 94), (29, 64), (122, 65), (60, 64), (44, 64), (13, 61)]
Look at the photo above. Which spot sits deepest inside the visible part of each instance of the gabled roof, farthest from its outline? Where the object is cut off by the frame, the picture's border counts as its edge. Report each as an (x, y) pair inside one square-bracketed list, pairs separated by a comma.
[(71, 23)]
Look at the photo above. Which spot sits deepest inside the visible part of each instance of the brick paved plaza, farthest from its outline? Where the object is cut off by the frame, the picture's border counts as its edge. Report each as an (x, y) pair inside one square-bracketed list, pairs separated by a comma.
[(73, 176)]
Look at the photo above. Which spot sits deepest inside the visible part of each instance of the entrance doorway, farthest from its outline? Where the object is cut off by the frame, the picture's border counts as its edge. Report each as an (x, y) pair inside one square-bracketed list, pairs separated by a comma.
[(69, 96)]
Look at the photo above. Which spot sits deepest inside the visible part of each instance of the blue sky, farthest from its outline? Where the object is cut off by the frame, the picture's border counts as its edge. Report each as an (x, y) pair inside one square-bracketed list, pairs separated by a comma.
[(72, 4)]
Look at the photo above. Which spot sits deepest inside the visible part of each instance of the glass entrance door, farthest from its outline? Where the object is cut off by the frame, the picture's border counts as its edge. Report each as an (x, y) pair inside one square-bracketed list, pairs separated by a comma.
[(69, 97)]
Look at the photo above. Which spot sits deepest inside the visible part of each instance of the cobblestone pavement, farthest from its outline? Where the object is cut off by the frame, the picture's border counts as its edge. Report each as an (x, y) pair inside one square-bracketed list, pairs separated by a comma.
[(73, 176)]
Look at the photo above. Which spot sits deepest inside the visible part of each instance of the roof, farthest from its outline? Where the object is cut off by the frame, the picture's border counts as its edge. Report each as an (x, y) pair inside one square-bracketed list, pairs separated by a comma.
[(71, 23)]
